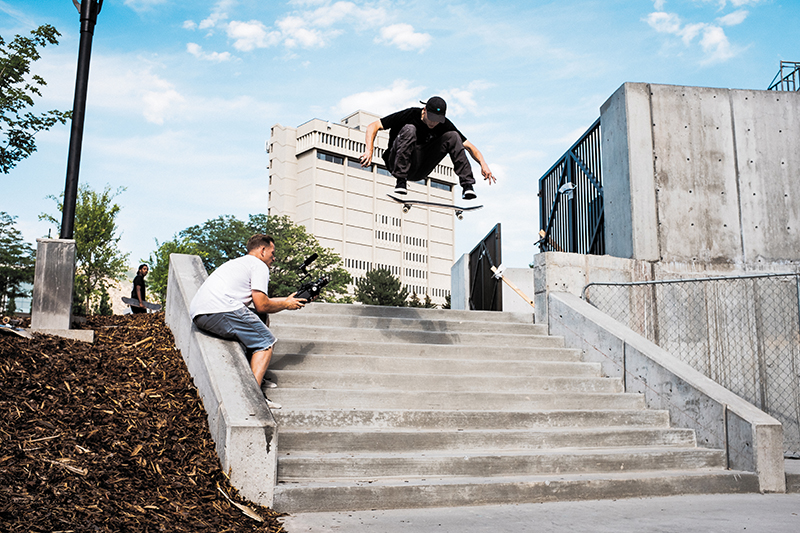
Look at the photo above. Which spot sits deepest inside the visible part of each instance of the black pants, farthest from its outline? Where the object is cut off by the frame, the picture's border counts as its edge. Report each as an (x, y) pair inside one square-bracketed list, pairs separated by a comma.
[(409, 161)]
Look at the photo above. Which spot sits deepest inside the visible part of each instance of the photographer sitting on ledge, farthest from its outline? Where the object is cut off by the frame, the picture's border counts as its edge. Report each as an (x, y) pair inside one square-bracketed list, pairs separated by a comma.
[(221, 305)]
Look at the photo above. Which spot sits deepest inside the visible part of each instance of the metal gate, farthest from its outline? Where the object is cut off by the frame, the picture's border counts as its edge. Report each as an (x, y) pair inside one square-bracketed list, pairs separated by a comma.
[(486, 291), (571, 199)]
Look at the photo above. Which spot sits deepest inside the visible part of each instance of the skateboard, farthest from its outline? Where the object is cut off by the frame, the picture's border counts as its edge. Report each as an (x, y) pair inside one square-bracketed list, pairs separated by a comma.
[(409, 203), (135, 303), (12, 327)]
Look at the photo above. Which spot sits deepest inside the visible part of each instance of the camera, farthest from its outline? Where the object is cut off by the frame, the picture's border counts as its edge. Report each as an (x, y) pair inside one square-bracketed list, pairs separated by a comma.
[(309, 291)]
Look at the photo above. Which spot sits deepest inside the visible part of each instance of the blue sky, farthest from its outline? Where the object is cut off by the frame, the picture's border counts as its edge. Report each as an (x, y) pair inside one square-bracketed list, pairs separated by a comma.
[(182, 95)]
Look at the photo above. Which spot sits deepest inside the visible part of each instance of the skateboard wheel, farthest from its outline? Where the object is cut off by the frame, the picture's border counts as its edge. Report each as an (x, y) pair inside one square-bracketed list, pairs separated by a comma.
[(460, 215), (405, 209)]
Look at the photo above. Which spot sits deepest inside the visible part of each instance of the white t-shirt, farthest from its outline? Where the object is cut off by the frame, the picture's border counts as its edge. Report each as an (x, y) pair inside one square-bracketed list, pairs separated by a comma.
[(230, 286)]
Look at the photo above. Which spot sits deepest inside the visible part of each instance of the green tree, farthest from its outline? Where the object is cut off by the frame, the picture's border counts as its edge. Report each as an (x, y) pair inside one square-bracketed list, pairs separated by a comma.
[(219, 240), (446, 302), (428, 304), (414, 301), (159, 264), (380, 287), (293, 244), (104, 305), (17, 91), (97, 240), (223, 238), (16, 262)]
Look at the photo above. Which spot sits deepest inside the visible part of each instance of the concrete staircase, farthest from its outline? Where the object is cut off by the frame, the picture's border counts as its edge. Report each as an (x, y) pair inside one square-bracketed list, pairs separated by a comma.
[(395, 408)]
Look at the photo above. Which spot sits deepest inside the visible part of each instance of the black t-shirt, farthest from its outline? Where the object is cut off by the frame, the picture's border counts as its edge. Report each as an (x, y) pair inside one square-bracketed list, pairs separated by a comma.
[(413, 115), (138, 281)]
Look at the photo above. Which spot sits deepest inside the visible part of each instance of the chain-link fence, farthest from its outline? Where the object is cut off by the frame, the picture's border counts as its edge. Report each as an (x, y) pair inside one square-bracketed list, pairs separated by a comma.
[(742, 332)]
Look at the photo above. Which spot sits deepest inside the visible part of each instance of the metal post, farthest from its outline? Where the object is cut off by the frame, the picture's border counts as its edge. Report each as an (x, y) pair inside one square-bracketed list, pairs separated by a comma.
[(89, 9)]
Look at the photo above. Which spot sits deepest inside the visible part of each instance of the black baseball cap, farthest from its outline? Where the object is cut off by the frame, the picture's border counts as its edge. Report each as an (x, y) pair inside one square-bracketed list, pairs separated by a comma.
[(436, 107)]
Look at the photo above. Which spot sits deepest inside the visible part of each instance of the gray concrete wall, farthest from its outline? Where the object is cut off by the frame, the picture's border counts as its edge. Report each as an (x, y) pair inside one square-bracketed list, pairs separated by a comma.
[(54, 279), (522, 278), (704, 176), (459, 284), (243, 428), (753, 440)]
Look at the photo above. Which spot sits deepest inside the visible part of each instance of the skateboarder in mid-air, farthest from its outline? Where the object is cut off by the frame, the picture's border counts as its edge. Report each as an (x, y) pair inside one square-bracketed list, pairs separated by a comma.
[(419, 138)]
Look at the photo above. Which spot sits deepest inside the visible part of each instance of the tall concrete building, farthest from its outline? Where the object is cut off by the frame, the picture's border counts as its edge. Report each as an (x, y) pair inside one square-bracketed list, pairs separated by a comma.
[(316, 179)]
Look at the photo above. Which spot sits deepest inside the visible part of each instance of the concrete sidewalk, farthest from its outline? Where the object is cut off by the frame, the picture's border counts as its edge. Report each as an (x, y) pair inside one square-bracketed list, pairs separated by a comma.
[(753, 513)]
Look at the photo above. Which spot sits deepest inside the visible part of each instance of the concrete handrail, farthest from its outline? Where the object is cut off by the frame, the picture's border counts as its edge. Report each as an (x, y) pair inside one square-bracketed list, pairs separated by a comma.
[(243, 428), (752, 440)]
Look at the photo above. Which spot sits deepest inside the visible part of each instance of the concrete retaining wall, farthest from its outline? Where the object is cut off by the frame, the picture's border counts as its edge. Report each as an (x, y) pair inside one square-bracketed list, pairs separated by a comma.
[(243, 428), (753, 440), (700, 175)]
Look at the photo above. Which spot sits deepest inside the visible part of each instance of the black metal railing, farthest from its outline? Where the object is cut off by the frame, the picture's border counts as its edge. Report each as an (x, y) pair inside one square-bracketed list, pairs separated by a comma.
[(743, 332), (787, 78), (571, 199), (485, 290)]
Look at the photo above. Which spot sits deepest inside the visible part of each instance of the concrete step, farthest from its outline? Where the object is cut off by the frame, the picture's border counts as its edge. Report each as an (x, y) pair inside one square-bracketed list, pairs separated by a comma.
[(382, 336), (288, 418), (320, 345), (442, 382), (495, 401), (433, 491), (441, 323), (363, 466), (345, 364), (415, 313), (348, 440)]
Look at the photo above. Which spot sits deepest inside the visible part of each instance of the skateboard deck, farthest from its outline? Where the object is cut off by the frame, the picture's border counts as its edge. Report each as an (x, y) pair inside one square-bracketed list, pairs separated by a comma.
[(408, 203), (13, 330), (135, 303)]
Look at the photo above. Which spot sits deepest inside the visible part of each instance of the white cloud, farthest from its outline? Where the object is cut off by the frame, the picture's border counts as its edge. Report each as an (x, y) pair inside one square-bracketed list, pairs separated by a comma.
[(197, 51), (462, 100), (383, 101), (248, 36), (295, 32), (714, 42), (218, 14), (733, 19), (315, 25), (189, 25), (664, 22), (659, 5), (143, 5), (404, 37)]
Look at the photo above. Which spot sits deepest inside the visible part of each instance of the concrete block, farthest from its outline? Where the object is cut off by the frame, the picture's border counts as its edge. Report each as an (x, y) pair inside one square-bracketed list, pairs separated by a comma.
[(54, 279), (459, 284), (522, 278), (244, 431), (752, 439)]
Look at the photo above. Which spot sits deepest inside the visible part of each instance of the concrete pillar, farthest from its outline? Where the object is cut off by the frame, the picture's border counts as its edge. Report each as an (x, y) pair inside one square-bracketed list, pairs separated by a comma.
[(54, 280), (522, 278), (459, 284)]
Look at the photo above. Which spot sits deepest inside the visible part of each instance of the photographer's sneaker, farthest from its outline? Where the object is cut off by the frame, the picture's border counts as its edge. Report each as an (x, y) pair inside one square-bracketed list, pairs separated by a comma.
[(271, 404), (401, 188), (267, 384), (468, 194)]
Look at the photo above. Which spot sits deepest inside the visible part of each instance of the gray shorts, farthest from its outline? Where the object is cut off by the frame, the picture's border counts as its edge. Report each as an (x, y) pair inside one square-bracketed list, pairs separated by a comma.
[(242, 325)]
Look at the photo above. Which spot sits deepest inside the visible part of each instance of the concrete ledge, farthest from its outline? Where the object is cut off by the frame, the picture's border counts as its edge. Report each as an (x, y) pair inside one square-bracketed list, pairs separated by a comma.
[(82, 335), (752, 440), (243, 428)]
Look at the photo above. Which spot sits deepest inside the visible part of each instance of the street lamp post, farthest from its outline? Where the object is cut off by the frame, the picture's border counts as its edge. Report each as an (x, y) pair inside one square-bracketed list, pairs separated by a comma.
[(54, 277), (89, 9)]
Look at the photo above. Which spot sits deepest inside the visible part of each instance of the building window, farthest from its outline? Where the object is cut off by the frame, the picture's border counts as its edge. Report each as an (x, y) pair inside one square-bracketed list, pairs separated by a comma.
[(355, 163), (443, 186), (330, 158), (383, 171)]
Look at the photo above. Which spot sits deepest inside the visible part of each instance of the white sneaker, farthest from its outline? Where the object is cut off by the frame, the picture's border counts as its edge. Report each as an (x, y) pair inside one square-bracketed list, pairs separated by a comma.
[(272, 405), (267, 384)]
